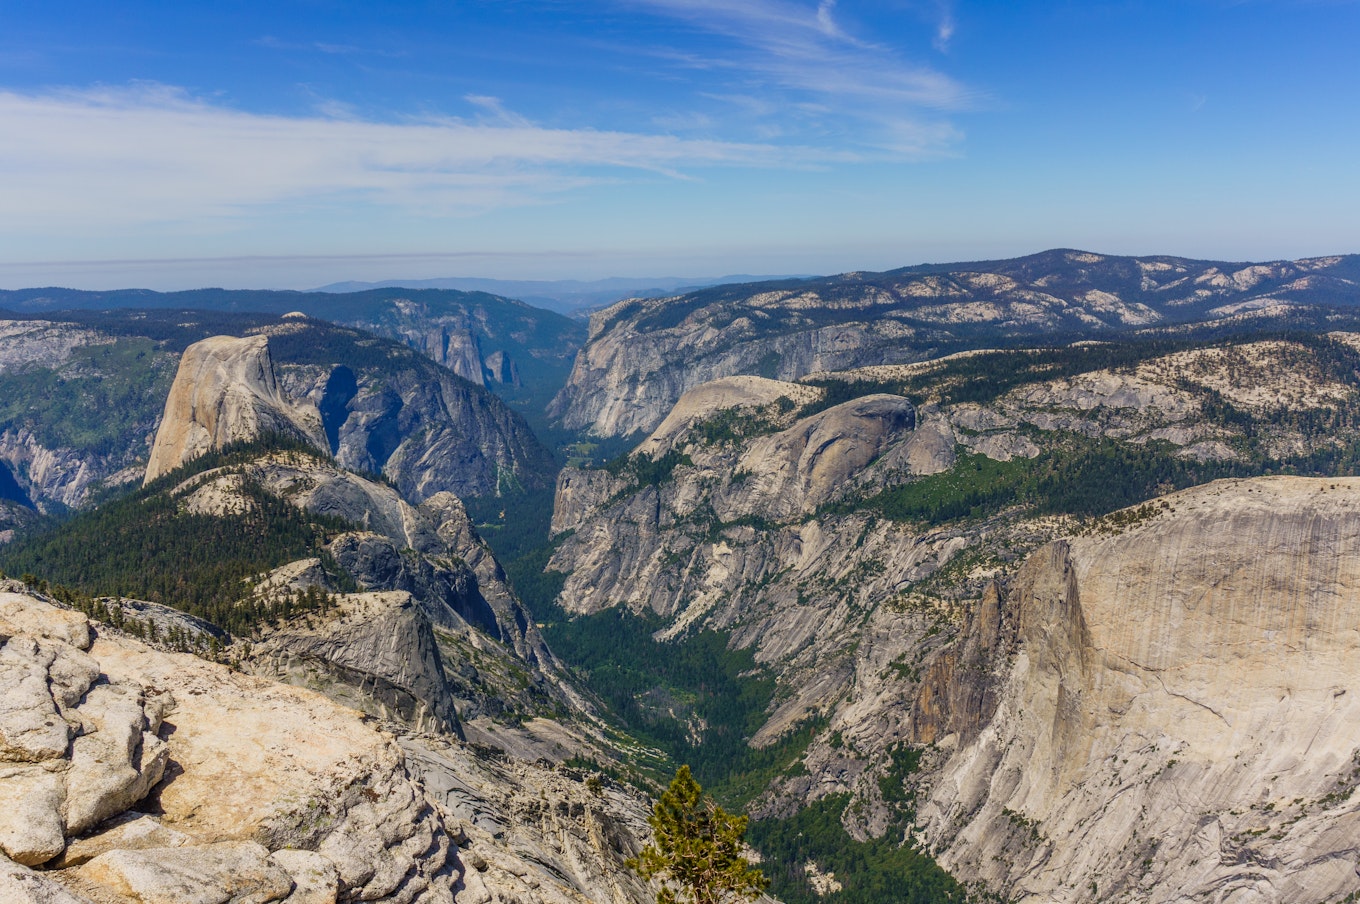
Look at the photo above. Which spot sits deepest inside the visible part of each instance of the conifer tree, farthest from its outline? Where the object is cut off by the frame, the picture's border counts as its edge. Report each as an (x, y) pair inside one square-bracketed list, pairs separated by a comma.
[(697, 849)]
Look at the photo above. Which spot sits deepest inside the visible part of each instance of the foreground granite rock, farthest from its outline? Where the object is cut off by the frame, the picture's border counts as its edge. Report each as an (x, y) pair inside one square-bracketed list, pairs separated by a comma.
[(217, 786)]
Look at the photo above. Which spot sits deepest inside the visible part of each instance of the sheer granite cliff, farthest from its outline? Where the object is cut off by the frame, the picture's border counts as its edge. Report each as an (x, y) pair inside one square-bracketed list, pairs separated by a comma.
[(81, 400), (226, 391), (1175, 714)]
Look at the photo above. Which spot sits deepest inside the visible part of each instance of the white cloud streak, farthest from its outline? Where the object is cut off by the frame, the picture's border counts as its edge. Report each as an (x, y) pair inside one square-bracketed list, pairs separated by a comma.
[(151, 153), (809, 76), (799, 47)]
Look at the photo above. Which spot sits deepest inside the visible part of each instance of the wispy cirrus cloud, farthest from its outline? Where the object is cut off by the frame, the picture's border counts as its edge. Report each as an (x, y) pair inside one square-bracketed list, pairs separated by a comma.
[(808, 69), (154, 153), (326, 47), (800, 46)]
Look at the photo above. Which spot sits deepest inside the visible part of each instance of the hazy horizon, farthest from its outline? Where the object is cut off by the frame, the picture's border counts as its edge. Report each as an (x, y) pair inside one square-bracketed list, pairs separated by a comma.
[(295, 145)]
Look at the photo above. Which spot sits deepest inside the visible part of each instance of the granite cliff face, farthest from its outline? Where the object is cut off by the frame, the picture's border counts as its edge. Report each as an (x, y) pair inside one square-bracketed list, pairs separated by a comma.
[(642, 355), (902, 629), (81, 400), (225, 391), (137, 775), (1174, 714), (427, 431)]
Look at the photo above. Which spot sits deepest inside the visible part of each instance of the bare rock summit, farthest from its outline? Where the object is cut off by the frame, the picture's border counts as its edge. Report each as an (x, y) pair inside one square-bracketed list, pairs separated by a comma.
[(226, 390)]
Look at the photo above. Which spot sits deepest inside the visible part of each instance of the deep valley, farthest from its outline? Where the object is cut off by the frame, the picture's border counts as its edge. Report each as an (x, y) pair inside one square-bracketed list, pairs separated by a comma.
[(1026, 581)]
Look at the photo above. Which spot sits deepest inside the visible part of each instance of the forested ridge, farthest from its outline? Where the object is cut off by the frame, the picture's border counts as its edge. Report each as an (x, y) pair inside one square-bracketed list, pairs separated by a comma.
[(146, 545)]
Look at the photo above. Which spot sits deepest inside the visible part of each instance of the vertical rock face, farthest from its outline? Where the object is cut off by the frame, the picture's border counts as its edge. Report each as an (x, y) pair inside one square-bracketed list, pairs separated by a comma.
[(628, 537), (1180, 720), (226, 390)]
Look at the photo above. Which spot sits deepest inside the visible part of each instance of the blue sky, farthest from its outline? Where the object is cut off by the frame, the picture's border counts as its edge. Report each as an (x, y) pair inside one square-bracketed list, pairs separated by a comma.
[(292, 144)]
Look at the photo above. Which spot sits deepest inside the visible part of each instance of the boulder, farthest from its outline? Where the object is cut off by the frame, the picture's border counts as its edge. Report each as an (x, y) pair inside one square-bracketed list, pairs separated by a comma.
[(230, 872)]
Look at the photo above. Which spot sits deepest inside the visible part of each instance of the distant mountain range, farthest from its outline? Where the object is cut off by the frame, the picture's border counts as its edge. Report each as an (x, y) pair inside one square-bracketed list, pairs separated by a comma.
[(566, 296), (643, 354)]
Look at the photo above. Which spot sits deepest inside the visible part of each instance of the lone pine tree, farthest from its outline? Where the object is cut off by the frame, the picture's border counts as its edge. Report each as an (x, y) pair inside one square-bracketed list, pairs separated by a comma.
[(697, 849)]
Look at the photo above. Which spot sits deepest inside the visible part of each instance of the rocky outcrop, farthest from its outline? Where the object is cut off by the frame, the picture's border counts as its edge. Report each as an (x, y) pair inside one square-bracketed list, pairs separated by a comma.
[(796, 470), (256, 791), (250, 768), (42, 343), (524, 820), (1176, 719), (729, 394), (74, 751), (376, 652), (432, 596), (226, 391)]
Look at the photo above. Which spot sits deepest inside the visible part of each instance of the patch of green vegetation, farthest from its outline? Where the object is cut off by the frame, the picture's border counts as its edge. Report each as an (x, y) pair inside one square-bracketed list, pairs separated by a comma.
[(693, 698), (579, 451), (879, 871), (975, 486), (516, 528), (101, 400), (146, 546), (894, 784), (646, 471), (732, 425), (1077, 476), (1026, 825)]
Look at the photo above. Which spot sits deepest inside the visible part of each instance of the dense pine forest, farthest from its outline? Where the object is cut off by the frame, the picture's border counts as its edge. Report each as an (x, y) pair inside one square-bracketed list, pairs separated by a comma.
[(146, 546)]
